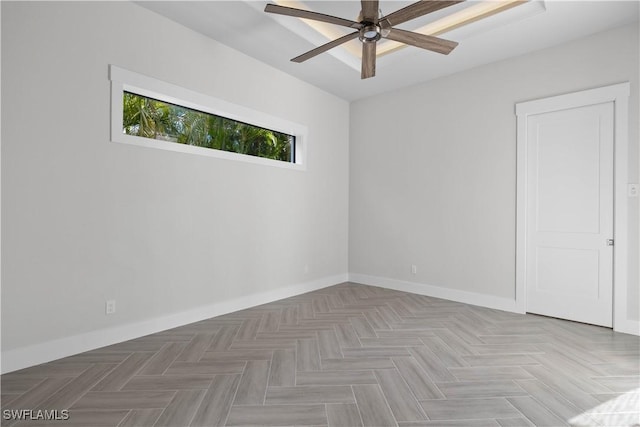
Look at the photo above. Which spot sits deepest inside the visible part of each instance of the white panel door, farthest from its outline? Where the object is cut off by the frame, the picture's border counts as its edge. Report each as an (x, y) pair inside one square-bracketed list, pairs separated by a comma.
[(570, 214)]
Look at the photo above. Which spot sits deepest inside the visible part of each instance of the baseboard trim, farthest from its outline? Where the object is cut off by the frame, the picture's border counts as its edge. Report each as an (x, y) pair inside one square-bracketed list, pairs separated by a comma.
[(24, 357), (457, 295), (629, 326)]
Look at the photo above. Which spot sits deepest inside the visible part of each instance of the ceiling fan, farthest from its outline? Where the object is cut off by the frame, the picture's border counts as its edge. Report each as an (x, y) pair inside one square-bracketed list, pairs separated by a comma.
[(371, 27)]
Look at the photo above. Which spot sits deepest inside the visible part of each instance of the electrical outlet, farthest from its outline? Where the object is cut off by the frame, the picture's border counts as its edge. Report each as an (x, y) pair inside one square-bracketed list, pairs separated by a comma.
[(632, 190), (110, 306), (414, 269)]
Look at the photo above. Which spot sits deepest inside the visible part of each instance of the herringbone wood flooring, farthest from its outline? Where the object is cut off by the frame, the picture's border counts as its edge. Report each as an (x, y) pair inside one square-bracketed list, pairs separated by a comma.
[(348, 355)]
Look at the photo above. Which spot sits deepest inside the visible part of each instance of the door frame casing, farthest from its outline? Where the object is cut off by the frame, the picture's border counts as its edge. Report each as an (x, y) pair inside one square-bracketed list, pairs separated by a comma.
[(619, 95)]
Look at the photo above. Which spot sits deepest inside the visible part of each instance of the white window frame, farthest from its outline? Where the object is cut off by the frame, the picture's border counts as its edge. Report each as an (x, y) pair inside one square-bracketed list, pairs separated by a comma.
[(128, 81)]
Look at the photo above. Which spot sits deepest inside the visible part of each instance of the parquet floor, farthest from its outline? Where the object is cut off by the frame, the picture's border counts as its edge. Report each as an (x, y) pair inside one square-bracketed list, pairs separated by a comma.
[(348, 355)]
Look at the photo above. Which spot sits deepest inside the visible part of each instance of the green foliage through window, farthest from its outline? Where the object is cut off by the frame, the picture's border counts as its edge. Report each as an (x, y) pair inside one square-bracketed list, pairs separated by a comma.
[(150, 118)]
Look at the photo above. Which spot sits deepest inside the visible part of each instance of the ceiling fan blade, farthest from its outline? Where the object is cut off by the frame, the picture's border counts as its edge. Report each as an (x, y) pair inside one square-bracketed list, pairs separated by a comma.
[(368, 60), (307, 14), (418, 9), (423, 41), (325, 47), (370, 10)]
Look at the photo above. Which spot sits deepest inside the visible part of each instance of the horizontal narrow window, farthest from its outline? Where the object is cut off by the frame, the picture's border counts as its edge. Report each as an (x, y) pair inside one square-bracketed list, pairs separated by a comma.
[(151, 118), (151, 113)]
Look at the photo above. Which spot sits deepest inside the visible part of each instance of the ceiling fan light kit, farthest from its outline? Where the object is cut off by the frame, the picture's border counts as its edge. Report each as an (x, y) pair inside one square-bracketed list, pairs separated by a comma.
[(371, 27), (370, 33)]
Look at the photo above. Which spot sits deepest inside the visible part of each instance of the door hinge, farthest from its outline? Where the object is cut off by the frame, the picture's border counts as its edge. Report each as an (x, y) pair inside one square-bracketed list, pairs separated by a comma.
[(609, 242)]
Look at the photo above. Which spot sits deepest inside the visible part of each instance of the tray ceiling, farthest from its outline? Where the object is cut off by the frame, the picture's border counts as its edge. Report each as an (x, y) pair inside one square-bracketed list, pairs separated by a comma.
[(275, 39)]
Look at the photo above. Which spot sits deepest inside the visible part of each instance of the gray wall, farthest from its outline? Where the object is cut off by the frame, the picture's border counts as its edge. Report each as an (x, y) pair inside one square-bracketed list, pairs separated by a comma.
[(431, 175), (85, 220), (433, 167)]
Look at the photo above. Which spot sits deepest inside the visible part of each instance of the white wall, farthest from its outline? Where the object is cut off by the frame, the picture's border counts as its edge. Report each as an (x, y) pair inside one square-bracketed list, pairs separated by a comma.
[(433, 169), (432, 179), (85, 220)]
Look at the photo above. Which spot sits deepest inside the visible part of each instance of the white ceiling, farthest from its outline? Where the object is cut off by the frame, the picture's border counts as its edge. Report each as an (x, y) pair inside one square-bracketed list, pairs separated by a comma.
[(275, 39)]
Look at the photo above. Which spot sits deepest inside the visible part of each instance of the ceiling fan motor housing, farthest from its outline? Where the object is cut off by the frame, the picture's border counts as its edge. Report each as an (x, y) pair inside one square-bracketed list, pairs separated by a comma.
[(369, 32)]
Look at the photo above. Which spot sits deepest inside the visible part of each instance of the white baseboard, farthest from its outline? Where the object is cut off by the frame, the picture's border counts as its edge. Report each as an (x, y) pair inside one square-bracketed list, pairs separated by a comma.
[(457, 295), (24, 357), (627, 327)]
